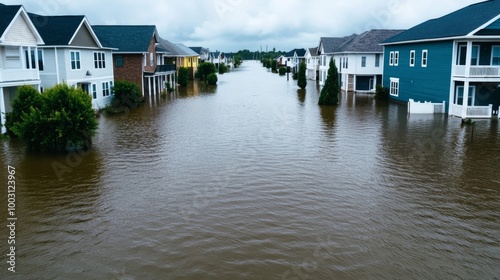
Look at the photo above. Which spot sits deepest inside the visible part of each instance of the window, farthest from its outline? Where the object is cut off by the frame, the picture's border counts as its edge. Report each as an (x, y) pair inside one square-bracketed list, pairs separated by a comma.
[(94, 91), (30, 57), (119, 61), (377, 60), (111, 86), (424, 58), (495, 55), (396, 58), (105, 89), (391, 59), (99, 60), (459, 96), (346, 62), (412, 58), (40, 60), (462, 55), (75, 60), (363, 61), (394, 89)]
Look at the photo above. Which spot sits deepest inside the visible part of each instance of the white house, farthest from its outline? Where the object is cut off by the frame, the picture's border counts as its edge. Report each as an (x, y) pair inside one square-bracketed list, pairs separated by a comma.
[(294, 58), (74, 55), (19, 55), (326, 48), (217, 58), (360, 60), (312, 60)]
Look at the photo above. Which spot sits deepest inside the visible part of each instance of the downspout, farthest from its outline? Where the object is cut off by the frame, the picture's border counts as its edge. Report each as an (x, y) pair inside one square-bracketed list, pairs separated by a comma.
[(58, 78)]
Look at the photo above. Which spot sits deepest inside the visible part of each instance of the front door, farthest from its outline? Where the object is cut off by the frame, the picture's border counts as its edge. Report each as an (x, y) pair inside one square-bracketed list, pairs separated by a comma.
[(85, 87)]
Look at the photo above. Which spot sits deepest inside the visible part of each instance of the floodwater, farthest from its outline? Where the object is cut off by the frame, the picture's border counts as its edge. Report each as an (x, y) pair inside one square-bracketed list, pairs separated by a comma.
[(253, 180)]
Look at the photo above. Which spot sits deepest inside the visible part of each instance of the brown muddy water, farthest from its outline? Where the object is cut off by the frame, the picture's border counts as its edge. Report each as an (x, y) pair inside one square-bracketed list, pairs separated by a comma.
[(252, 180)]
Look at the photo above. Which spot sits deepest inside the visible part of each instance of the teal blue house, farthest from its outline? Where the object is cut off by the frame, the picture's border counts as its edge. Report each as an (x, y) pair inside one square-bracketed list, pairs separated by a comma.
[(453, 59)]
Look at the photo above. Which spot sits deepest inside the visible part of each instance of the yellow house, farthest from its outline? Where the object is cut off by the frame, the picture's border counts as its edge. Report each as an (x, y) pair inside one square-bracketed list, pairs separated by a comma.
[(189, 59)]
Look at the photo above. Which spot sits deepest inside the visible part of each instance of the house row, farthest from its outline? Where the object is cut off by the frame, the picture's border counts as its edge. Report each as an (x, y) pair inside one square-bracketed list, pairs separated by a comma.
[(452, 60), (47, 50)]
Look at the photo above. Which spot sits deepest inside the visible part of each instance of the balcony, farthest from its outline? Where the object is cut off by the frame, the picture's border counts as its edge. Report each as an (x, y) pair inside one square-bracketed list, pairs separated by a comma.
[(477, 71), (18, 75), (165, 68), (478, 112)]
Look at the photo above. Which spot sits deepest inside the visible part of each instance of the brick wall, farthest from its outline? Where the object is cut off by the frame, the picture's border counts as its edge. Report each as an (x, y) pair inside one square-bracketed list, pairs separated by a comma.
[(131, 70), (151, 49)]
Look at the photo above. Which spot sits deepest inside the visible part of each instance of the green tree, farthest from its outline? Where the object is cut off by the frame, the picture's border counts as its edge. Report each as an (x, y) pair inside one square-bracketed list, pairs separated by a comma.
[(127, 94), (205, 69), (282, 71), (330, 92), (62, 118), (302, 80), (223, 69), (27, 97), (212, 79), (274, 66), (237, 61), (183, 76)]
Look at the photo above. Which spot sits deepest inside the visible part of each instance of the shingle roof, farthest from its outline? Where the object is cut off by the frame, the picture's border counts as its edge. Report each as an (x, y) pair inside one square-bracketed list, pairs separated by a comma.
[(300, 53), (170, 48), (187, 51), (7, 14), (126, 38), (197, 50), (369, 41), (457, 24), (334, 44), (56, 30), (313, 51)]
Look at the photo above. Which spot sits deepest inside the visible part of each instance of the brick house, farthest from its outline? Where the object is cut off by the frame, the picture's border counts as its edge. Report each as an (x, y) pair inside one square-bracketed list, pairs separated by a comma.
[(136, 58)]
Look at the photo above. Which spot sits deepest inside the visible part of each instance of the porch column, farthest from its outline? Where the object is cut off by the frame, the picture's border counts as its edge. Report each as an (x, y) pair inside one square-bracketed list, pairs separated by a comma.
[(452, 98), (374, 82), (466, 99), (149, 85), (2, 111), (466, 82)]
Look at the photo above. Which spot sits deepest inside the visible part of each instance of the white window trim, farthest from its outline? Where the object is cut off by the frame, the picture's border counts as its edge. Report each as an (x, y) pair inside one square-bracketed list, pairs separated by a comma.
[(391, 59), (492, 51), (94, 91), (79, 60), (41, 56), (151, 59), (412, 58), (396, 58), (100, 59), (425, 58), (472, 95), (363, 61), (393, 88)]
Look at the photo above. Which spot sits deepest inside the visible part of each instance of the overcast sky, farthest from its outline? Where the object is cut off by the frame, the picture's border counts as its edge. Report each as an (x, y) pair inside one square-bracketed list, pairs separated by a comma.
[(231, 25)]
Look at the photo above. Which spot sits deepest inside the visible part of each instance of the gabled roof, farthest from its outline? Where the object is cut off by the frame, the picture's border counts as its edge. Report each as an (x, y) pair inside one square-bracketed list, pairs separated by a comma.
[(170, 49), (7, 14), (300, 53), (187, 51), (57, 30), (460, 23), (313, 51), (199, 50), (126, 38), (369, 41), (334, 44)]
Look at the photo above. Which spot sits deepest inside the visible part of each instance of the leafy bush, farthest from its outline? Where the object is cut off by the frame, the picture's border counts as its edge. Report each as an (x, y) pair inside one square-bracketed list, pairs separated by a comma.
[(223, 69), (282, 71), (59, 118), (26, 98), (302, 80), (330, 91), (183, 76), (274, 65), (212, 79), (127, 94), (205, 69)]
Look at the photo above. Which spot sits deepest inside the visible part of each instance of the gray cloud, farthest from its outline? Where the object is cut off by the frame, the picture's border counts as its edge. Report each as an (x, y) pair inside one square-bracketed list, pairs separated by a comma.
[(231, 25)]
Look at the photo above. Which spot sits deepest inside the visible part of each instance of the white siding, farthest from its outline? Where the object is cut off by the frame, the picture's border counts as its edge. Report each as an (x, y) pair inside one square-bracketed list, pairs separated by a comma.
[(20, 33)]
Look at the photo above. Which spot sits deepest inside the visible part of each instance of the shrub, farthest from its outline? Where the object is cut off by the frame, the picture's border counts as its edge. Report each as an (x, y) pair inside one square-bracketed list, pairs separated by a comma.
[(127, 94), (61, 117), (282, 71), (183, 76), (274, 65), (302, 80), (26, 98), (330, 91), (223, 69), (212, 79), (205, 69)]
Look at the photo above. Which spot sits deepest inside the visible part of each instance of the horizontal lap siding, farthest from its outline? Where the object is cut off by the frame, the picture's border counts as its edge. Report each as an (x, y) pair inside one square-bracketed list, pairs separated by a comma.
[(431, 83)]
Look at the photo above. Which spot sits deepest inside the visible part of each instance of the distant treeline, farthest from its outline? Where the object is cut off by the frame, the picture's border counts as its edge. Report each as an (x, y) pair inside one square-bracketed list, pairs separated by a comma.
[(249, 55)]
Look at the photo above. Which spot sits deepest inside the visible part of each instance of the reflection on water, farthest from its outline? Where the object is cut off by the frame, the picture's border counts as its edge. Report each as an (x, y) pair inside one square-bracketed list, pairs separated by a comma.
[(253, 180)]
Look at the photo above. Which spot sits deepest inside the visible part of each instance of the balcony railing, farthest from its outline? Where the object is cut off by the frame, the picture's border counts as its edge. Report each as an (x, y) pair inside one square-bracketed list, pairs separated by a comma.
[(14, 75), (472, 111), (165, 68), (477, 71)]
